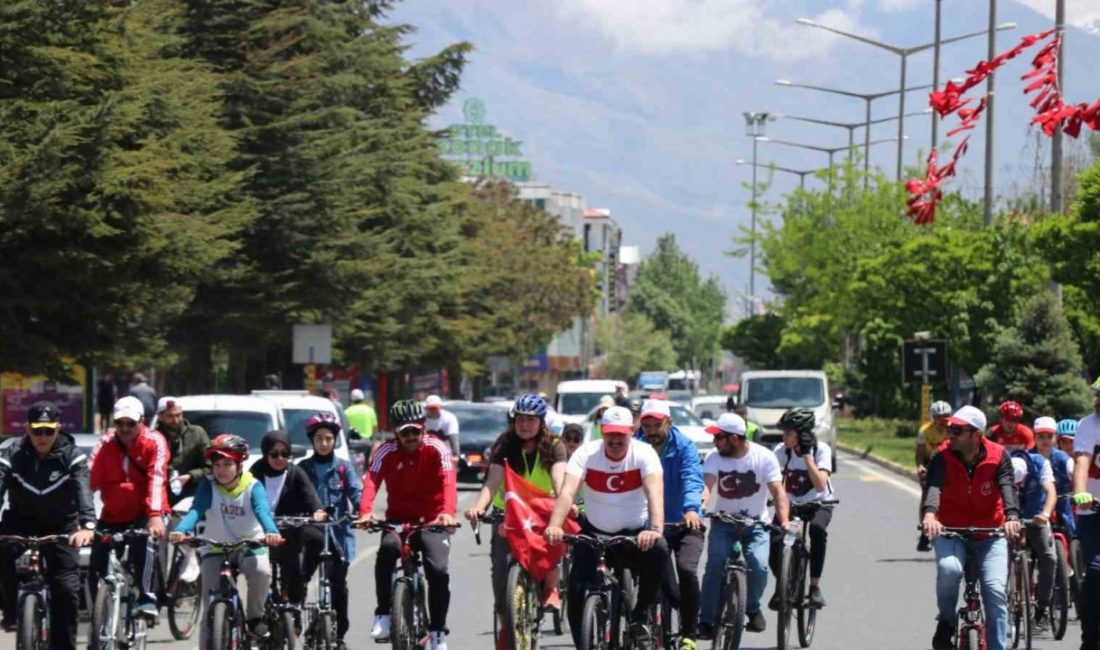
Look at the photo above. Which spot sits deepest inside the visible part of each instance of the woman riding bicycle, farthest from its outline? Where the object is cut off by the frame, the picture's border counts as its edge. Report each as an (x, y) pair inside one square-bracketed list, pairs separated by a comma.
[(534, 453)]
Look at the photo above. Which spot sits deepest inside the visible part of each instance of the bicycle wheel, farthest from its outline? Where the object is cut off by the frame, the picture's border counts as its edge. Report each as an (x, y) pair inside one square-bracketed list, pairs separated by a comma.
[(731, 611), (183, 599), (786, 588), (560, 617), (1013, 597), (595, 628), (402, 623), (807, 616), (1077, 563), (1025, 600), (284, 635), (519, 618), (221, 627), (139, 633), (104, 631), (973, 639), (326, 631), (29, 618), (1059, 603)]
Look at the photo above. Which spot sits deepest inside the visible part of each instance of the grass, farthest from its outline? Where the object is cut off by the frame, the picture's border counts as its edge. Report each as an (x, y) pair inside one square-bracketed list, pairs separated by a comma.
[(880, 437)]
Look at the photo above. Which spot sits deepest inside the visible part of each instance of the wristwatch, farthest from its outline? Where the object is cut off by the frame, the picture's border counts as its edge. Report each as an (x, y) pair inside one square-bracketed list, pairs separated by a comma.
[(655, 529), (89, 525)]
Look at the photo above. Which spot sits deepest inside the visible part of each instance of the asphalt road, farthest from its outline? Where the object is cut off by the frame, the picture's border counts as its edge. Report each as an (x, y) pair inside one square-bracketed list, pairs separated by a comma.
[(880, 591)]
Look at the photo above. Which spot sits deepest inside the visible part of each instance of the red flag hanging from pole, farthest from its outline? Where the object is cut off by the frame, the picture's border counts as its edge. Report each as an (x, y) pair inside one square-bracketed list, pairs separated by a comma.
[(526, 511)]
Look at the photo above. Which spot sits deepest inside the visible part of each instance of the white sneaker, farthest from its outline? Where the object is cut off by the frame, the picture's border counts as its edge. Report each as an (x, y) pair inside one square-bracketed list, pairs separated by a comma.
[(439, 640), (381, 628)]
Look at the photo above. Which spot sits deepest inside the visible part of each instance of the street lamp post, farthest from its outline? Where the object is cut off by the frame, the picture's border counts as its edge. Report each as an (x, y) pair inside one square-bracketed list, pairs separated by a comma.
[(851, 126), (754, 128), (936, 71), (904, 53), (801, 173), (992, 47)]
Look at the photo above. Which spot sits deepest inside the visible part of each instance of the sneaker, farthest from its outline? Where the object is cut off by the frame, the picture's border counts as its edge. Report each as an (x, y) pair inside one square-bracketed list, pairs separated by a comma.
[(438, 640), (756, 622), (639, 632), (942, 640), (257, 628), (773, 604), (924, 544), (552, 601), (817, 601), (146, 609), (381, 629), (340, 645), (1042, 621), (687, 644), (706, 632)]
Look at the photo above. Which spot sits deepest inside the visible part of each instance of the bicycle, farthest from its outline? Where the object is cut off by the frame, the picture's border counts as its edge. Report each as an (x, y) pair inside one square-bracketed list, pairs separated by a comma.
[(609, 598), (285, 616), (793, 581), (730, 619), (1063, 581), (182, 598), (115, 622), (225, 617), (32, 630), (970, 624), (409, 609), (321, 628), (1020, 592), (668, 601)]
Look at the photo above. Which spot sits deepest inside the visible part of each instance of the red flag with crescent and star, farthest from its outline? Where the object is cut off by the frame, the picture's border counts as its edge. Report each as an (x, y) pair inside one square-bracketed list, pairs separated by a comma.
[(526, 511)]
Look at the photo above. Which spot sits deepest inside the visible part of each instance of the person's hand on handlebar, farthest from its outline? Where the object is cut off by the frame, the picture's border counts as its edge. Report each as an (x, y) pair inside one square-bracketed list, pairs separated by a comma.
[(320, 515), (1083, 498), (647, 539), (365, 520), (176, 537), (554, 534), (692, 520), (273, 539), (1012, 528), (473, 514), (931, 526), (445, 519), (156, 527), (81, 538)]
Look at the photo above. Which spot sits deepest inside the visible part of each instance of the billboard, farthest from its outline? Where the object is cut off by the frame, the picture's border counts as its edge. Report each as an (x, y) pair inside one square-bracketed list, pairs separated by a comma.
[(18, 392)]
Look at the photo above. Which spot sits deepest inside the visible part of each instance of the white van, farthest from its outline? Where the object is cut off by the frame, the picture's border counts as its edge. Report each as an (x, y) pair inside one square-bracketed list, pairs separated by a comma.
[(296, 407), (244, 415), (575, 399), (769, 393)]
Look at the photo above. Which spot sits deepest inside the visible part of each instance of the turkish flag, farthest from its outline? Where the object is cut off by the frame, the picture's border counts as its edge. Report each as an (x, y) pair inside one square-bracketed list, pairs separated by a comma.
[(526, 511)]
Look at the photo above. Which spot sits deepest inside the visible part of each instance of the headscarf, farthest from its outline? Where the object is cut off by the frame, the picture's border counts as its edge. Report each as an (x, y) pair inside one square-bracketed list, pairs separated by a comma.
[(268, 443)]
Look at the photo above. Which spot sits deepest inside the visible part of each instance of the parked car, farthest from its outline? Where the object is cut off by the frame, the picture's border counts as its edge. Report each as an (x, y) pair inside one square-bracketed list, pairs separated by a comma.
[(295, 410), (479, 425), (576, 398), (247, 416), (709, 407), (692, 427)]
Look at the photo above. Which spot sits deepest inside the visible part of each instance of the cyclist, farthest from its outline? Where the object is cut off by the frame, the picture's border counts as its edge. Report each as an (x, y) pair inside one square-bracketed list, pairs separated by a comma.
[(339, 490), (129, 468), (235, 508), (45, 480), (362, 418), (932, 434), (751, 428), (605, 403), (741, 474), (1035, 481), (1067, 429), (289, 493), (420, 487), (572, 436), (186, 445), (1010, 432), (970, 483), (807, 464), (534, 453), (442, 424), (683, 478), (1061, 464), (623, 495), (1086, 491)]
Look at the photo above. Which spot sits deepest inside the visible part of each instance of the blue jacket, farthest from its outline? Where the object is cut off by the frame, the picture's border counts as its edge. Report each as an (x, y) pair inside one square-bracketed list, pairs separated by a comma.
[(683, 475), (1032, 496), (339, 488)]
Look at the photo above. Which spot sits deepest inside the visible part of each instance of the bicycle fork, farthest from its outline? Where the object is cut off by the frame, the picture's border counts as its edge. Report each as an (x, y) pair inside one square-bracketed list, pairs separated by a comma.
[(970, 614)]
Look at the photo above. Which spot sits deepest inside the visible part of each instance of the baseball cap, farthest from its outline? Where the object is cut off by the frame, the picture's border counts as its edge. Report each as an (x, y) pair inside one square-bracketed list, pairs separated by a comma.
[(607, 401), (656, 408), (728, 423), (617, 419), (357, 395), (128, 407), (43, 415), (167, 404), (433, 400), (968, 416), (1045, 424)]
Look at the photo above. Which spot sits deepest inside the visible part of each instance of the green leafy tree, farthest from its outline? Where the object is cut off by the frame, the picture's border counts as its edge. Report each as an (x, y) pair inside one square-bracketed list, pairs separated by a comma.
[(756, 340), (631, 344), (1037, 363)]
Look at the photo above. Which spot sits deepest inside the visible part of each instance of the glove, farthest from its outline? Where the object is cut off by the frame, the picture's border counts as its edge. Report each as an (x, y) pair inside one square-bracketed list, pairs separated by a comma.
[(806, 442), (1083, 498)]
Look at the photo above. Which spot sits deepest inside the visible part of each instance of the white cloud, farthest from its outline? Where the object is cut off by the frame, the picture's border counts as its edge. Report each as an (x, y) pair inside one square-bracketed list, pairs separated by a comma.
[(898, 5), (655, 27), (1079, 13)]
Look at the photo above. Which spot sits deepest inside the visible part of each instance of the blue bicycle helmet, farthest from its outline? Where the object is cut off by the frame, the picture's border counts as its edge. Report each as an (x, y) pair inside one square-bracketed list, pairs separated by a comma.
[(1067, 428), (530, 404)]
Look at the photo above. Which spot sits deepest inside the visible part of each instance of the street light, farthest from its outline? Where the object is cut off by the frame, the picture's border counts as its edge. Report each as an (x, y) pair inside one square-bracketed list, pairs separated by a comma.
[(851, 126), (801, 173), (754, 128), (828, 150), (904, 53)]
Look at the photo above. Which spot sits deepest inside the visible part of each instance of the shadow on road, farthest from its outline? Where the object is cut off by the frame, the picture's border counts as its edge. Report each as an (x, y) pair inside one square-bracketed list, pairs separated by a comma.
[(907, 560)]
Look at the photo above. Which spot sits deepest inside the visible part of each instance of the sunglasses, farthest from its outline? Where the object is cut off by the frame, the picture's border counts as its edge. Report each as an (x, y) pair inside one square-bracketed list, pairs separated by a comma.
[(43, 432), (410, 432), (279, 454), (572, 440), (956, 430), (125, 424)]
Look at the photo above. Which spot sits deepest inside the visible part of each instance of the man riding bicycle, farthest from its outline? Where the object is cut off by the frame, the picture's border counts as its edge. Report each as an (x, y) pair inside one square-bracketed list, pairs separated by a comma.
[(531, 451), (129, 468), (970, 484), (420, 485), (1038, 496), (1010, 432), (806, 464), (45, 479), (931, 435), (741, 474), (442, 424), (683, 478), (623, 495), (187, 445), (1048, 446), (1086, 491)]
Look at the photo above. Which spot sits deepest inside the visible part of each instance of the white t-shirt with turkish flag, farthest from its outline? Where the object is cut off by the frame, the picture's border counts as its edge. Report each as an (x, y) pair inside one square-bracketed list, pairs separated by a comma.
[(613, 496), (742, 483), (1087, 441)]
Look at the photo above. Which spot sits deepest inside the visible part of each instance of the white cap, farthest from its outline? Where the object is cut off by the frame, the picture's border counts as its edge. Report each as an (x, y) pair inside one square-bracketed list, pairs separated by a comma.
[(969, 416), (657, 408), (617, 419), (433, 400), (167, 403), (728, 423), (128, 407), (1019, 469), (607, 401), (1045, 424), (357, 395)]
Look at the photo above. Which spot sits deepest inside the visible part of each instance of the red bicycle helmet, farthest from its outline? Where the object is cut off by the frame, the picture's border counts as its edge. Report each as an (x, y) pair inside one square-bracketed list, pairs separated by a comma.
[(228, 445), (1011, 410), (322, 421)]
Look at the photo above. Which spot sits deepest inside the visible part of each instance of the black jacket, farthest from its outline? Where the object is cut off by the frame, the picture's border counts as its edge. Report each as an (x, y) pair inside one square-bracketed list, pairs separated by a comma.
[(50, 494), (187, 449), (298, 497)]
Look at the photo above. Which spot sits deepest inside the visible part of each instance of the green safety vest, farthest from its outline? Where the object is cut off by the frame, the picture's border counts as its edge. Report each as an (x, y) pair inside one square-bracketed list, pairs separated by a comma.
[(538, 476)]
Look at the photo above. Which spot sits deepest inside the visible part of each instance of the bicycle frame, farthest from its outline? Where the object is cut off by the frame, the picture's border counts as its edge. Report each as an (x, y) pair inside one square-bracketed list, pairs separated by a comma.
[(33, 583), (226, 589), (608, 583), (971, 616), (125, 590)]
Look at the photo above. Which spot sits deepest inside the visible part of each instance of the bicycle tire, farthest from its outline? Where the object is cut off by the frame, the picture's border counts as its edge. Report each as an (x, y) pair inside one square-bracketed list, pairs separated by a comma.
[(139, 633), (519, 619), (786, 593), (221, 627), (1015, 607), (807, 615), (595, 634), (326, 625), (973, 639), (561, 619), (1029, 621), (402, 625), (1077, 563), (730, 621), (284, 636), (1060, 601), (28, 637), (104, 630), (178, 596)]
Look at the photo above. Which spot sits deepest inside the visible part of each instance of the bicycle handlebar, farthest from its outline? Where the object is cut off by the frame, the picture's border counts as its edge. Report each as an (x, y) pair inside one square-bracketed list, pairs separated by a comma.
[(408, 527), (600, 541), (741, 520), (971, 531), (31, 541), (235, 546), (118, 536), (491, 517), (302, 522)]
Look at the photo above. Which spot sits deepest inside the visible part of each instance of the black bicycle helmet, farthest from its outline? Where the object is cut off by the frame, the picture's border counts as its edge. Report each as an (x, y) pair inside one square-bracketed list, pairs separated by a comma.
[(635, 405), (407, 411), (799, 419)]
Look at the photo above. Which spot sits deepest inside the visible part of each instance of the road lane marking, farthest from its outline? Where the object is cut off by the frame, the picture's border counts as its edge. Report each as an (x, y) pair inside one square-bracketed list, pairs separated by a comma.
[(880, 476)]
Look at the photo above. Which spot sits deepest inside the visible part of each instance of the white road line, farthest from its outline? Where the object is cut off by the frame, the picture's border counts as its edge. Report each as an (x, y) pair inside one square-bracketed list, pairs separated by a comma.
[(866, 468)]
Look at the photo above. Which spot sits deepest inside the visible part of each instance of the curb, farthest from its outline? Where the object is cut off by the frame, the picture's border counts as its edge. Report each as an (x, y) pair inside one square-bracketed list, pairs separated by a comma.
[(866, 454)]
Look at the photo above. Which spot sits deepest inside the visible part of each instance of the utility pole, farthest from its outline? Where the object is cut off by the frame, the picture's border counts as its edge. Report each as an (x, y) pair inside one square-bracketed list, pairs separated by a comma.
[(1056, 142), (936, 75), (754, 128), (989, 116)]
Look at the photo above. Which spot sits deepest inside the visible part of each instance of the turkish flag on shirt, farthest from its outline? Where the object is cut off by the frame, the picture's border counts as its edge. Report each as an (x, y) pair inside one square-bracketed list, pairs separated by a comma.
[(526, 511)]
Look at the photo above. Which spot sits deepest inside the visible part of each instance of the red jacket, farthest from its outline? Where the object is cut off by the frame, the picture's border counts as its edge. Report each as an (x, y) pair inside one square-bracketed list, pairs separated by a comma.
[(1023, 436), (420, 485), (976, 500), (131, 483)]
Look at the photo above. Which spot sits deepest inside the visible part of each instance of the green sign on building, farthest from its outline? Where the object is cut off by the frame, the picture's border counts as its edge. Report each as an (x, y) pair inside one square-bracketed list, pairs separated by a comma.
[(479, 150)]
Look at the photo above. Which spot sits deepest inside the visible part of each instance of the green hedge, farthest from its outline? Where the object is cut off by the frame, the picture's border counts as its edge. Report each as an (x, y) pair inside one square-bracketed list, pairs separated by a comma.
[(891, 439)]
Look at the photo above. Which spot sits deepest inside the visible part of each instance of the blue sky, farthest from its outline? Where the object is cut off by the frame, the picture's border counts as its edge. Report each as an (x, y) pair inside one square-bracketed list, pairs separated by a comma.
[(637, 103)]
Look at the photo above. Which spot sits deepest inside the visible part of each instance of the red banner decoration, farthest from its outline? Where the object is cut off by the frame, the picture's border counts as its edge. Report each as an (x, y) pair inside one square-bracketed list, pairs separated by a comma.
[(1052, 112)]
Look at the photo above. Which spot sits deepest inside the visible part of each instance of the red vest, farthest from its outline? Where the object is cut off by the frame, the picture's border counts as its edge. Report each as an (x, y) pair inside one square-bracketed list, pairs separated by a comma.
[(972, 500)]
